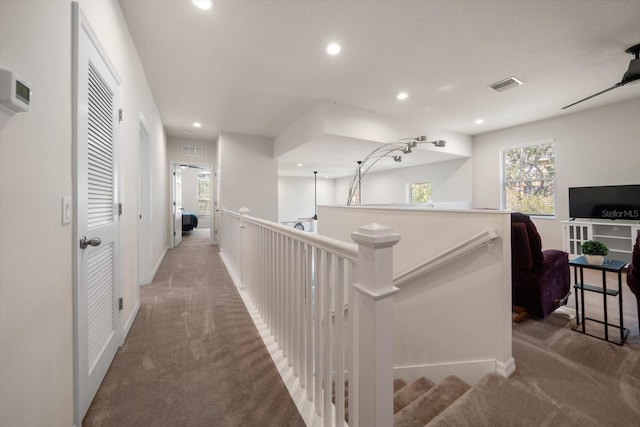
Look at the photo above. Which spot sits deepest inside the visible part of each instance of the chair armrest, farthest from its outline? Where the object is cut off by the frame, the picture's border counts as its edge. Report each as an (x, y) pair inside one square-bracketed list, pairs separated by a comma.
[(555, 256), (556, 272)]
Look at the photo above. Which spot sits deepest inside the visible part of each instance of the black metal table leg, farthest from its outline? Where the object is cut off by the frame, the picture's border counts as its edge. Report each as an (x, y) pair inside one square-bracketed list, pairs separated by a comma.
[(620, 305), (604, 302), (582, 298)]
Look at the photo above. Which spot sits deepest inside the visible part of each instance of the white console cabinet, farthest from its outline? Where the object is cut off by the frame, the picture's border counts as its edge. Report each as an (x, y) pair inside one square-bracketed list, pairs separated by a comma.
[(619, 236)]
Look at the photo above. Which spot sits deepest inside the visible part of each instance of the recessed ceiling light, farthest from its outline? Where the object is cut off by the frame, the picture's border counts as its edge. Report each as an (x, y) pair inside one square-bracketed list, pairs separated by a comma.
[(333, 48), (203, 4), (185, 131), (479, 121), (299, 164), (326, 176), (197, 125), (402, 95)]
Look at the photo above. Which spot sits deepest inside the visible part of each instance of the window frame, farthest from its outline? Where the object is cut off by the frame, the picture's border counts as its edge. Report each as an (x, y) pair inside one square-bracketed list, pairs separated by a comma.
[(503, 180)]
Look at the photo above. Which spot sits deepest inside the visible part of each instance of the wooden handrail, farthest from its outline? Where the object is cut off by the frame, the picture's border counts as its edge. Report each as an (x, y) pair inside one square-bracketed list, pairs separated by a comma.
[(450, 254)]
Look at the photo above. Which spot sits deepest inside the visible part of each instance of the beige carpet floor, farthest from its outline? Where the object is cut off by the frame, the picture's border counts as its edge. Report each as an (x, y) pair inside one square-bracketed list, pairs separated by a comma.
[(193, 356), (563, 378)]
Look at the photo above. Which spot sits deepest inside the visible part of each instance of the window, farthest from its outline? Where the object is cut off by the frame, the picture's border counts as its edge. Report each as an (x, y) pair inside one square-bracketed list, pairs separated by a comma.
[(420, 192), (204, 193), (529, 179)]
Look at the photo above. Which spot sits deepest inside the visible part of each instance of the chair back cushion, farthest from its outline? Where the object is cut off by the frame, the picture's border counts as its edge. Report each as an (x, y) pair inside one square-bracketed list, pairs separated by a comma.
[(533, 237), (520, 250)]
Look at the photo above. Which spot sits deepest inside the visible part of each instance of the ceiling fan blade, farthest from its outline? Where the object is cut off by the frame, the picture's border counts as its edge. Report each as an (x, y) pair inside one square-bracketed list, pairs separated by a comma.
[(594, 95)]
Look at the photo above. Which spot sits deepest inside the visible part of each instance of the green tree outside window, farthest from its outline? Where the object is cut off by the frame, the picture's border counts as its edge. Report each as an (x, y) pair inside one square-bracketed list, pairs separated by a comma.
[(420, 192), (204, 193), (529, 179)]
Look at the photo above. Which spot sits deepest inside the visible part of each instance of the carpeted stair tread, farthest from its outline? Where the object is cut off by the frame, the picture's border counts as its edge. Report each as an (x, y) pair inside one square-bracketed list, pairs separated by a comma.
[(430, 404), (398, 383), (410, 392), (497, 401)]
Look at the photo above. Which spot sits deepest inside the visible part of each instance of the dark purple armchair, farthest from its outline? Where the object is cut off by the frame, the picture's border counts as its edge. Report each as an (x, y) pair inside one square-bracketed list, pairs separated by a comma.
[(633, 272), (540, 280)]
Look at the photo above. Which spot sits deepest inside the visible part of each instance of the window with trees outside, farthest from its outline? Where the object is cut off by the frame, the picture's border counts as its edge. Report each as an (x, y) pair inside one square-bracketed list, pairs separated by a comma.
[(204, 193), (420, 192), (529, 179)]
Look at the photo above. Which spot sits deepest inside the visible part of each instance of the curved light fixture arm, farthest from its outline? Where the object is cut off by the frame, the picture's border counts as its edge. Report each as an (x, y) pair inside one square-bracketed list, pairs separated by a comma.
[(402, 146)]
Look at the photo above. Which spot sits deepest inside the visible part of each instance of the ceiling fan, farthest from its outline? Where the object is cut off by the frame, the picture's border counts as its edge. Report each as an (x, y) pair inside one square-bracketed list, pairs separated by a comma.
[(632, 74)]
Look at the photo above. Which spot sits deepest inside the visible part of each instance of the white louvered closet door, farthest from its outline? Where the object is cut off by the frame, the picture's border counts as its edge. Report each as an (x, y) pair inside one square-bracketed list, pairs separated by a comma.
[(98, 221)]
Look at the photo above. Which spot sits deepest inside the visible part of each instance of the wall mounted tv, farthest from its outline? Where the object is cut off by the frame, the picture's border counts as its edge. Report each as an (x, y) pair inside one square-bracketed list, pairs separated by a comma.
[(605, 202)]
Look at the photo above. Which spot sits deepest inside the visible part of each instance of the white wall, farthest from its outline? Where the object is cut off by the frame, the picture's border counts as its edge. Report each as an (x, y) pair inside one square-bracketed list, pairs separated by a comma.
[(248, 174), (36, 300), (208, 160), (209, 150), (296, 196), (455, 319), (593, 147), (451, 183)]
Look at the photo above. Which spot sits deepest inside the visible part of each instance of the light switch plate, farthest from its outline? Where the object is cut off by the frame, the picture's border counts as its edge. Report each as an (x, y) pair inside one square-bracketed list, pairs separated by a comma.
[(66, 210)]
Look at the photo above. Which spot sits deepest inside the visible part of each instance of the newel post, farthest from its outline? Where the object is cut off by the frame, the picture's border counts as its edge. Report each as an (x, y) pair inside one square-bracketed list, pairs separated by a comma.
[(243, 213), (373, 326)]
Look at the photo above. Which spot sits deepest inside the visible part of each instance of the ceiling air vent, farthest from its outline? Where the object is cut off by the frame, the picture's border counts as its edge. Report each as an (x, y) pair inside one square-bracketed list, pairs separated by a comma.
[(505, 84), (188, 150)]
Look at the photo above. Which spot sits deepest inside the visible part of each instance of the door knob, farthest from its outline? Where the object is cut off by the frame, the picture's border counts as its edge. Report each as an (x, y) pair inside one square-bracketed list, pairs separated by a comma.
[(94, 241)]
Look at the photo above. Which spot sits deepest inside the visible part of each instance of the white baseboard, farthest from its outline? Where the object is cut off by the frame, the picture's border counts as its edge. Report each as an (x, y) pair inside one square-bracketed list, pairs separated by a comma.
[(298, 394), (231, 270), (129, 322), (157, 266), (468, 371), (567, 311), (507, 368)]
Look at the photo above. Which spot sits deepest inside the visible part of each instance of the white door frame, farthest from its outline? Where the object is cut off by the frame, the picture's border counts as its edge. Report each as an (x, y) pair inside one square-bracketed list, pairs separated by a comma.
[(175, 166), (85, 383), (205, 166), (145, 202)]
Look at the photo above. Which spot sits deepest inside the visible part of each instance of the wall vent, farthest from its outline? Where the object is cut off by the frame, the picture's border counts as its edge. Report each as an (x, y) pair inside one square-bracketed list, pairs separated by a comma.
[(189, 150), (505, 84)]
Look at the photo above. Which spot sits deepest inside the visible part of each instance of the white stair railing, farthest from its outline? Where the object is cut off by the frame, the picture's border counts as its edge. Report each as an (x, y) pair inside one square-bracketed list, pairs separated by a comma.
[(294, 280)]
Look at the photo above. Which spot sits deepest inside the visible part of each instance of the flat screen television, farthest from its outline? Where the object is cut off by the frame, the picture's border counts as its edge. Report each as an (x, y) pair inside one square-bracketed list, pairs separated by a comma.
[(605, 202)]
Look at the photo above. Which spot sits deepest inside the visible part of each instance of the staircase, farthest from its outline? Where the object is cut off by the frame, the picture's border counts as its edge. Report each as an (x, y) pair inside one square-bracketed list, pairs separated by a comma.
[(416, 404)]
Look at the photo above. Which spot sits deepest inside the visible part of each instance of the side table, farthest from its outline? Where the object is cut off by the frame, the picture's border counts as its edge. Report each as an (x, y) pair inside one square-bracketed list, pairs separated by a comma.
[(609, 265)]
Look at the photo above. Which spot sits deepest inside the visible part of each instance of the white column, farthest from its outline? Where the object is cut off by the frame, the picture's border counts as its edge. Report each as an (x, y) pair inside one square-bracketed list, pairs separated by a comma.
[(243, 213), (373, 326)]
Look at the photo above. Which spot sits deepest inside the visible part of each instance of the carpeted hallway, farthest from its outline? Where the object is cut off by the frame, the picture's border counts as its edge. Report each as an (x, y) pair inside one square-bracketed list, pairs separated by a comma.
[(193, 356)]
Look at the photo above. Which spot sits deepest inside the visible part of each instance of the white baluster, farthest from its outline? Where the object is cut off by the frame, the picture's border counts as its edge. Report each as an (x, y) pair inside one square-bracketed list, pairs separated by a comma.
[(242, 261)]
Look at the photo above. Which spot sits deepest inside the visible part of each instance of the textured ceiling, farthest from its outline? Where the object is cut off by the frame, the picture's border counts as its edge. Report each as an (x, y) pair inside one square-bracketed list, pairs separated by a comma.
[(254, 67)]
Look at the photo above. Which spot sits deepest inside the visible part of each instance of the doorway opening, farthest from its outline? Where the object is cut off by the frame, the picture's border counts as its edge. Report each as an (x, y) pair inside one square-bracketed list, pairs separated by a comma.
[(192, 202)]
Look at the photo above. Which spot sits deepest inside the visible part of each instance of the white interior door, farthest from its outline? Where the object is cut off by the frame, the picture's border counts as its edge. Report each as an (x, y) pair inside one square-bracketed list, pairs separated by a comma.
[(177, 205), (97, 225)]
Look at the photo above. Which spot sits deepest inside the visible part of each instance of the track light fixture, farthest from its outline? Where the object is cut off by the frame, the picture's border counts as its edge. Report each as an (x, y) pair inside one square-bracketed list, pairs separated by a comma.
[(404, 145)]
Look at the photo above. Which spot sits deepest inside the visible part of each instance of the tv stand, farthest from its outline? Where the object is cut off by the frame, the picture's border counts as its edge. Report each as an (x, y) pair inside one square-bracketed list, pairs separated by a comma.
[(619, 236)]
